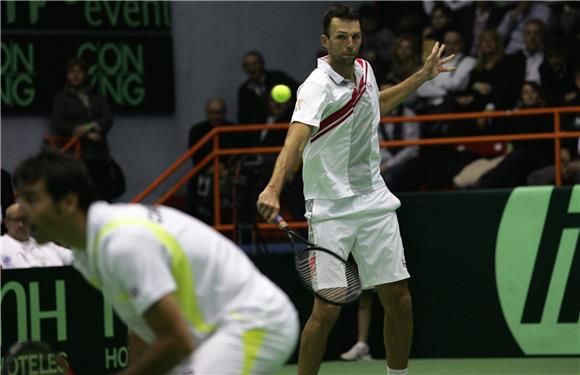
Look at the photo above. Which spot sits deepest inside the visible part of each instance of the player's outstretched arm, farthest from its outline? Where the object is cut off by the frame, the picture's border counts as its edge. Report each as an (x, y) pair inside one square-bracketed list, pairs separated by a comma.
[(173, 340), (269, 199), (392, 97)]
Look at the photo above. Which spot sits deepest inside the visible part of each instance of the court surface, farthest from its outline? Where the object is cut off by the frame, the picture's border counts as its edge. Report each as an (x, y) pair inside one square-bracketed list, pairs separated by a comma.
[(478, 366)]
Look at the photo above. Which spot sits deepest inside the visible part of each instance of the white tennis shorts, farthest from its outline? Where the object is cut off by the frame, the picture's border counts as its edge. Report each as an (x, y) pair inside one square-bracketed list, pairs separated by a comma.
[(249, 343), (365, 225)]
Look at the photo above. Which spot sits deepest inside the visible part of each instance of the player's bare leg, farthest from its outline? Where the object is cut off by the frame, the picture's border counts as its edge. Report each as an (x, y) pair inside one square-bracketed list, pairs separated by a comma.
[(398, 328), (315, 335), (365, 305)]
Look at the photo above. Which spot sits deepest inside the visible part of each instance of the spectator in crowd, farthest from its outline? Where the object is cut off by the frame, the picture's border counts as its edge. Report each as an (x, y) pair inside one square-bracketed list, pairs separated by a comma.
[(480, 15), (20, 250), (254, 92), (377, 40), (556, 76), (7, 195), (486, 90), (81, 112), (487, 81), (524, 65), (570, 152), (277, 113), (361, 351), (512, 26), (436, 91), (201, 186), (293, 192), (403, 17), (400, 165), (405, 60), (436, 96), (527, 155), (441, 22)]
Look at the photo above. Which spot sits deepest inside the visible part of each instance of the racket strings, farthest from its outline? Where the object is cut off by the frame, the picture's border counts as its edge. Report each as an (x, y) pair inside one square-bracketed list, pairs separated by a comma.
[(331, 279)]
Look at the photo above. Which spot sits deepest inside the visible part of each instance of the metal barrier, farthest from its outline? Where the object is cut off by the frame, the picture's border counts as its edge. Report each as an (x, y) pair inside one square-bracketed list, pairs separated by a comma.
[(64, 144), (215, 154)]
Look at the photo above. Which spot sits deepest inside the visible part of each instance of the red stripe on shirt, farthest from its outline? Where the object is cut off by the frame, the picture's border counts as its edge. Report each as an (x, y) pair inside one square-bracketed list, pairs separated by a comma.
[(345, 111)]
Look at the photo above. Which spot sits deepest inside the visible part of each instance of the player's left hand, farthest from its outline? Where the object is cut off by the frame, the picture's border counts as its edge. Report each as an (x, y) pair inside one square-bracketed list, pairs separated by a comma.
[(434, 63)]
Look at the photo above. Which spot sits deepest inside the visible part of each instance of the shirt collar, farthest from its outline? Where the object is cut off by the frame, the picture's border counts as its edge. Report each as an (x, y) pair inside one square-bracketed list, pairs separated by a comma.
[(337, 78)]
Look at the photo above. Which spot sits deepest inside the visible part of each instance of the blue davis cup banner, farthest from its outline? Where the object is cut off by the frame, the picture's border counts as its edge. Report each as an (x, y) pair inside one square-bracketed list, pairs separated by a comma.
[(127, 46)]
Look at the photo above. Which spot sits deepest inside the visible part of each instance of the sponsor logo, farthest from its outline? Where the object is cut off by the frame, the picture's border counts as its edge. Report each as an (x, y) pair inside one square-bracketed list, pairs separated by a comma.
[(537, 241)]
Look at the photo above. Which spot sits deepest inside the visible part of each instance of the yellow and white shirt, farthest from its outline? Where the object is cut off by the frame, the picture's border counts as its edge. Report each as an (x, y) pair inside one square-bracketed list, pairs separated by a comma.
[(137, 254)]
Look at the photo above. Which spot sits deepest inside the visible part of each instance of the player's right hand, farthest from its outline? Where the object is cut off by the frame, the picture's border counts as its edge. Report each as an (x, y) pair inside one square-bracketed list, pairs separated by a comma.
[(268, 204)]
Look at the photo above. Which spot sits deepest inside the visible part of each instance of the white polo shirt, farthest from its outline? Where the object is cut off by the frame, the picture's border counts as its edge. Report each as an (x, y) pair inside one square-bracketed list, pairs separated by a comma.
[(342, 158), (137, 254), (29, 254)]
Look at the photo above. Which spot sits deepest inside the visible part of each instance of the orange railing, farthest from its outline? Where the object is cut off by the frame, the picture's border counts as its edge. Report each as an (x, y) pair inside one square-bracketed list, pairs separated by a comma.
[(64, 144), (216, 152)]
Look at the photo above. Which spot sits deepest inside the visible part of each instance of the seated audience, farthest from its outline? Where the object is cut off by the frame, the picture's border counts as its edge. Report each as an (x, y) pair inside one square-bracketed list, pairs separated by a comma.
[(479, 16), (441, 22), (524, 65), (487, 84), (405, 60), (436, 90), (254, 92), (400, 165), (376, 41), (201, 186), (556, 75), (512, 25), (527, 155), (20, 250), (570, 152)]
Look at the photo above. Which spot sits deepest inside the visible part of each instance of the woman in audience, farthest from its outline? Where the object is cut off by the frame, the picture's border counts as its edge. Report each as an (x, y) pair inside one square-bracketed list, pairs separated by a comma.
[(489, 77), (527, 155), (79, 111)]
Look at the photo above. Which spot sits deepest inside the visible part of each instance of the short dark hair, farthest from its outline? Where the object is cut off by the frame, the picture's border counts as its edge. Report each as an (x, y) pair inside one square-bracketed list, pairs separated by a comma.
[(256, 54), (63, 174), (76, 61), (342, 12)]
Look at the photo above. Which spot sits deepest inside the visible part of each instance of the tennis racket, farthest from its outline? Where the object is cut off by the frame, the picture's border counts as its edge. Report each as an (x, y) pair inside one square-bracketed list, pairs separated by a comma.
[(324, 273), (34, 357)]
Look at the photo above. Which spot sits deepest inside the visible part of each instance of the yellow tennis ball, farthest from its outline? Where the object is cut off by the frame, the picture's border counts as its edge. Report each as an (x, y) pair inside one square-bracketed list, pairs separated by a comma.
[(281, 93)]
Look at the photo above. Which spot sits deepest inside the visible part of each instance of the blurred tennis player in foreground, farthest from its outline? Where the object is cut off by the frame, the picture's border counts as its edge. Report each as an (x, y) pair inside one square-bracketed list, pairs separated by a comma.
[(348, 207), (193, 302)]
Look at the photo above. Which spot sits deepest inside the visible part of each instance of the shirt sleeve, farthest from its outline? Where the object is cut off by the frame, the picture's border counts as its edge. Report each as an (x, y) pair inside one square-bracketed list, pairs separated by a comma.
[(140, 267), (310, 104)]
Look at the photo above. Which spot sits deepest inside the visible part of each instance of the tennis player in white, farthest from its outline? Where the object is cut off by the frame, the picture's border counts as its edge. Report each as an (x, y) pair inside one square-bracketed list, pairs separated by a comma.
[(192, 300), (348, 207)]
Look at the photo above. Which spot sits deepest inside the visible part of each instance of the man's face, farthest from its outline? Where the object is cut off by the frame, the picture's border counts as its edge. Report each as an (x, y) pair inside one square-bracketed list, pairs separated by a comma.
[(44, 216), (215, 112), (533, 38), (253, 66), (343, 42), (16, 225)]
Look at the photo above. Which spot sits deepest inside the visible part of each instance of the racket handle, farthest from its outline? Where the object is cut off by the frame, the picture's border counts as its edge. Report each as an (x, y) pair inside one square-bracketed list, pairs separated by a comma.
[(280, 222)]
